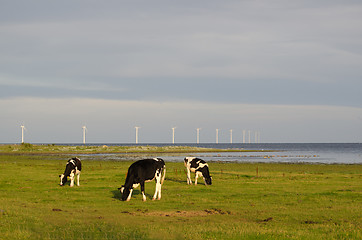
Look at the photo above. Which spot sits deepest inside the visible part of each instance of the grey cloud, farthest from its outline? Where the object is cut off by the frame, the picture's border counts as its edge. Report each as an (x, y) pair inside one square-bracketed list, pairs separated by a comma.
[(228, 64), (292, 52), (216, 90)]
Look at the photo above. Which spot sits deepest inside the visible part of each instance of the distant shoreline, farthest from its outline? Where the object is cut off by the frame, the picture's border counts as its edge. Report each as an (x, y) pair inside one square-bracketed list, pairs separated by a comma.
[(314, 153), (27, 148)]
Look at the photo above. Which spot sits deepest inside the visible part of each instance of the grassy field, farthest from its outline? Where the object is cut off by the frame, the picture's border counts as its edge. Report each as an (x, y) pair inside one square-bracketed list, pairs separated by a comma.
[(246, 201)]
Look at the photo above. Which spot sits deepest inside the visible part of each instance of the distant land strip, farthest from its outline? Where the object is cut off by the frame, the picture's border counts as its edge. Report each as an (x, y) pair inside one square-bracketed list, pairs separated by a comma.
[(27, 148)]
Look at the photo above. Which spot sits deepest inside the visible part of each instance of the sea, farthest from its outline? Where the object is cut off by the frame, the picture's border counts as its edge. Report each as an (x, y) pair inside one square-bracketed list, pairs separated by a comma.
[(311, 153)]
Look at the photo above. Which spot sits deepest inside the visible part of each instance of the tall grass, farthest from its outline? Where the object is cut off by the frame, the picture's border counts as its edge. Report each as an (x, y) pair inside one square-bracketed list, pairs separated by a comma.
[(246, 201)]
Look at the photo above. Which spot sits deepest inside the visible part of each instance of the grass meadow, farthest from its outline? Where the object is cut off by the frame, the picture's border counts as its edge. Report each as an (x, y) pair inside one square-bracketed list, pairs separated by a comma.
[(246, 201)]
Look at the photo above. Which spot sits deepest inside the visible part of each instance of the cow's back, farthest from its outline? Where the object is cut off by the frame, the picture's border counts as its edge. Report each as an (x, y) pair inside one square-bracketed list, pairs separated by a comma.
[(145, 169), (194, 163), (78, 164)]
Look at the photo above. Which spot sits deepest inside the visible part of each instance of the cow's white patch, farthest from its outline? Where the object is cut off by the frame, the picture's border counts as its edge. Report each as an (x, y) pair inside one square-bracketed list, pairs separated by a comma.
[(201, 165), (71, 176), (143, 197)]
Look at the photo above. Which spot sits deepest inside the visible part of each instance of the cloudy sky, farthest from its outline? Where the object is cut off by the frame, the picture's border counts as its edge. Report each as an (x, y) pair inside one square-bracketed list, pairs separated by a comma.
[(291, 70)]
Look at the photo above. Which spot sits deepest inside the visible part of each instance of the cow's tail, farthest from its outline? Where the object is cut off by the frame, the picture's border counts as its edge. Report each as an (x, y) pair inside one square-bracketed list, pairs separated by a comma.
[(163, 175)]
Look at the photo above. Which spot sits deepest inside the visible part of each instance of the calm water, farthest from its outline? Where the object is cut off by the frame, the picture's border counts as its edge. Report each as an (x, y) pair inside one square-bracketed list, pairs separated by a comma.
[(327, 153)]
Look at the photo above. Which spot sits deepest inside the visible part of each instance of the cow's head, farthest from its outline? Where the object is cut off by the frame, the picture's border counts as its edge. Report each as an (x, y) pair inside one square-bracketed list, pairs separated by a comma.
[(63, 179), (206, 175), (208, 180), (125, 192)]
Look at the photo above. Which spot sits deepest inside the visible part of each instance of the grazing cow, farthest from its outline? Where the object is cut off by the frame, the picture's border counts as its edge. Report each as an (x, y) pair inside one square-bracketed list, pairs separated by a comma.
[(73, 167), (199, 167), (144, 171)]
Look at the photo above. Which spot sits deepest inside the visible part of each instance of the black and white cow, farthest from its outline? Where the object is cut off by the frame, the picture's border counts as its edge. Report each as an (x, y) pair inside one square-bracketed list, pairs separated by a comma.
[(144, 171), (73, 167), (199, 167)]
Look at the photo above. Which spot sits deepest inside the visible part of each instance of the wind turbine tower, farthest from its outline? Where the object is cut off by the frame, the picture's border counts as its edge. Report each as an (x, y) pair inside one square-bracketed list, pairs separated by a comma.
[(244, 132), (173, 135), (84, 130), (231, 136), (198, 135), (136, 134), (217, 135), (22, 133), (258, 137)]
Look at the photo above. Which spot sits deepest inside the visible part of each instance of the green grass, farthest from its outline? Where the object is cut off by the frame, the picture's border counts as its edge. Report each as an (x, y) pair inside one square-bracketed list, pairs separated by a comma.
[(285, 201)]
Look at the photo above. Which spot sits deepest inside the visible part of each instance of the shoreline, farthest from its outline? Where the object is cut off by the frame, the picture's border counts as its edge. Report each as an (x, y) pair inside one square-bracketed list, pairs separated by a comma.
[(27, 148), (175, 153)]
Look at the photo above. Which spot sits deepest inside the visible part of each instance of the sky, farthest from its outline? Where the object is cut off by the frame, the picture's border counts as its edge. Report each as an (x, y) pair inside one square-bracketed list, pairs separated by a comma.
[(289, 70)]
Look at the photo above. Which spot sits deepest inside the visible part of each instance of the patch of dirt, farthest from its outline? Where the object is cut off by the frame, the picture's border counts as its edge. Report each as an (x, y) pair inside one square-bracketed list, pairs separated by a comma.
[(217, 211), (265, 220), (179, 213), (310, 222)]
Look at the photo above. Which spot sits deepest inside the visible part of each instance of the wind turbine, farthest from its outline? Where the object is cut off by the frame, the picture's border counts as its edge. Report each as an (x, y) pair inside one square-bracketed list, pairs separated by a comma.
[(258, 140), (136, 134), (198, 135), (249, 136), (217, 135), (173, 135), (231, 136), (22, 133), (84, 130), (244, 132), (259, 137)]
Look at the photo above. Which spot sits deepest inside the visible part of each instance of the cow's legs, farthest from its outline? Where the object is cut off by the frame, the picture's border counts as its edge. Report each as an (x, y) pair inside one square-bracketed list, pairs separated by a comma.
[(71, 176), (197, 174), (143, 191), (158, 188), (130, 194), (157, 192), (188, 176), (78, 178)]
